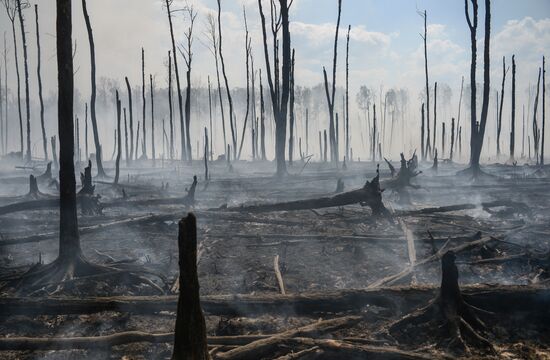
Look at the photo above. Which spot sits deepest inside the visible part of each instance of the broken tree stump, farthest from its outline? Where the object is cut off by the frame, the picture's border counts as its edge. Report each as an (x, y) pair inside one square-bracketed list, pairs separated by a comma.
[(189, 199), (86, 179), (47, 175), (406, 173), (190, 332), (457, 323)]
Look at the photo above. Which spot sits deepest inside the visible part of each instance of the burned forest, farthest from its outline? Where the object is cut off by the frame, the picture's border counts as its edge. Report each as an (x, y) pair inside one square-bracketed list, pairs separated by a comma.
[(274, 179)]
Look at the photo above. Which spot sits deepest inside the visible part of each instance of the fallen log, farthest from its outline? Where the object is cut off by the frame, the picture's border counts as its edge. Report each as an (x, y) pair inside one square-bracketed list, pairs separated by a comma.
[(261, 348), (518, 298), (369, 195), (484, 205)]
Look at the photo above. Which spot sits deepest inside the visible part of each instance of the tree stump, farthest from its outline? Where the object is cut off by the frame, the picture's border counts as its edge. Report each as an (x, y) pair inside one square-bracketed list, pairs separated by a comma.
[(190, 332)]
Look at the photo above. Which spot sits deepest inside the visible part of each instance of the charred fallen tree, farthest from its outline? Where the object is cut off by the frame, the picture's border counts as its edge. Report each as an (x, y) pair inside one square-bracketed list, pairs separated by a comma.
[(406, 173), (369, 195)]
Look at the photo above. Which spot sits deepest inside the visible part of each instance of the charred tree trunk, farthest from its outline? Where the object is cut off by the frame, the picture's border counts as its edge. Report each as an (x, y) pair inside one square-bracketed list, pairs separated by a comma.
[(54, 152), (119, 140), (26, 67), (543, 111), (347, 95), (152, 118), (536, 131), (130, 110), (188, 57), (69, 242), (330, 95), (86, 131), (422, 149), (11, 12), (326, 147), (126, 148), (143, 106), (307, 132), (452, 138), (178, 84), (210, 116), (247, 62), (513, 121), (434, 145), (291, 114), (170, 108), (6, 118), (501, 105), (262, 119), (443, 140), (190, 331), (425, 38), (374, 132), (459, 106), (229, 99), (98, 149), (39, 76)]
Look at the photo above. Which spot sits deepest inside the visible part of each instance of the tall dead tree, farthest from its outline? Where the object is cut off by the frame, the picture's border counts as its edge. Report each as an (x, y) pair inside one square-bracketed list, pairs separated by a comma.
[(1, 115), (229, 99), (543, 111), (143, 107), (452, 138), (262, 119), (248, 49), (347, 95), (279, 80), (425, 38), (152, 117), (213, 47), (130, 110), (126, 148), (98, 149), (22, 4), (435, 116), (373, 132), (291, 113), (499, 118), (460, 104), (422, 149), (187, 54), (513, 123), (334, 157), (210, 118), (39, 76), (6, 118), (119, 141), (170, 107), (11, 12), (477, 131), (168, 3), (536, 130)]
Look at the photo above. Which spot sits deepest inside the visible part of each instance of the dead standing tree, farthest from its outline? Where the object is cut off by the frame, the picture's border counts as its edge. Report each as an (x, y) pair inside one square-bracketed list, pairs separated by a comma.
[(229, 98), (279, 81), (98, 149), (11, 11), (536, 130), (334, 157), (152, 93), (347, 96), (543, 110), (22, 4), (424, 37), (39, 76), (130, 109), (119, 140), (169, 12), (501, 105), (248, 54), (143, 107), (291, 113), (513, 124), (187, 54), (477, 131)]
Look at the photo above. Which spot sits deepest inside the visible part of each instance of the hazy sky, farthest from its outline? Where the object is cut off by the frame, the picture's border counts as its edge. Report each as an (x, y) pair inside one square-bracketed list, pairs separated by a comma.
[(385, 47)]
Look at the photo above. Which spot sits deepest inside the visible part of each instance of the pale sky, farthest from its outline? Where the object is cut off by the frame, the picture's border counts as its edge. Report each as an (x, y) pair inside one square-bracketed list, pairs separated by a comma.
[(385, 47)]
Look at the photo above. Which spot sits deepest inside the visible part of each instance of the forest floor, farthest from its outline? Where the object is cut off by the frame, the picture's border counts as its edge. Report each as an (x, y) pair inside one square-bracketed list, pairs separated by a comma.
[(334, 262)]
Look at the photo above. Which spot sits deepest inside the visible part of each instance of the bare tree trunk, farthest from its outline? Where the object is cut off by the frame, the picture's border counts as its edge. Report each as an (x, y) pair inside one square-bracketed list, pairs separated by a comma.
[(460, 105), (210, 114), (422, 149), (326, 146), (330, 96), (44, 138), (229, 99), (513, 124), (247, 55), (190, 331), (425, 38), (501, 105), (347, 94), (170, 108), (26, 67), (86, 131), (373, 132), (144, 104), (307, 132), (98, 149), (178, 84), (2, 147), (452, 138), (543, 111), (130, 109), (473, 88), (6, 119), (152, 118), (443, 140), (262, 119), (434, 145), (119, 140), (291, 114), (536, 131), (69, 242), (126, 148), (206, 176)]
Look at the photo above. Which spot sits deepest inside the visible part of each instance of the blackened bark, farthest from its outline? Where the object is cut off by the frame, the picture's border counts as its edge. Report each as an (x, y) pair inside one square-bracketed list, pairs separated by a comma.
[(347, 94), (54, 152), (44, 138), (98, 149), (130, 110), (69, 242), (536, 131), (501, 105), (190, 331), (452, 138), (262, 119), (513, 124), (425, 38), (144, 104), (170, 109), (460, 105), (373, 132), (434, 145), (26, 67), (210, 114), (422, 149), (126, 149), (247, 62), (152, 118), (291, 114), (119, 140), (543, 111)]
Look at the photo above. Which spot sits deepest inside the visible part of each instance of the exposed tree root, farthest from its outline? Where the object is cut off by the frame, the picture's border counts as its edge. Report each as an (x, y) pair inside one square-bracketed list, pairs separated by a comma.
[(455, 323), (406, 173)]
